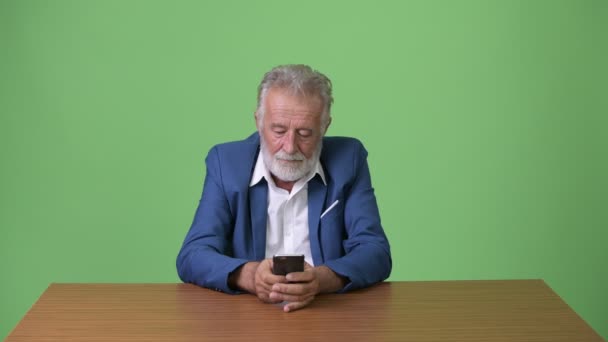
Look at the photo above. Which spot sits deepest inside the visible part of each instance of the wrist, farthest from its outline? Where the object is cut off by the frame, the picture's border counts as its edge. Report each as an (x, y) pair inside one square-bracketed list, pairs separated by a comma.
[(243, 278), (329, 281)]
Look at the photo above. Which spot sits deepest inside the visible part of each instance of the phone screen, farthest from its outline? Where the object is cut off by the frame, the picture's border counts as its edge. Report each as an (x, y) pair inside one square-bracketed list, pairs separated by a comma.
[(287, 263)]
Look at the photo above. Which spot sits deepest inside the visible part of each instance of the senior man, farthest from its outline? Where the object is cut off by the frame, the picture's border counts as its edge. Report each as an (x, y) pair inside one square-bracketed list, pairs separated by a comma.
[(287, 189)]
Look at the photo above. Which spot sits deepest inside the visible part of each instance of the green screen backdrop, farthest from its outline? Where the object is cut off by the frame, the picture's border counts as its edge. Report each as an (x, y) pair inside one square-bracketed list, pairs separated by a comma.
[(486, 124)]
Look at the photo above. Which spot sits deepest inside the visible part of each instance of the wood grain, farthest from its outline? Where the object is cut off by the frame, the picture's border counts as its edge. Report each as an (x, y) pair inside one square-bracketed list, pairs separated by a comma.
[(510, 310)]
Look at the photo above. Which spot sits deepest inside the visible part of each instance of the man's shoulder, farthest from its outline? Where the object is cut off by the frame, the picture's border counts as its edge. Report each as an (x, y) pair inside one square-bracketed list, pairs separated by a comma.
[(252, 142), (234, 160), (342, 145), (341, 157)]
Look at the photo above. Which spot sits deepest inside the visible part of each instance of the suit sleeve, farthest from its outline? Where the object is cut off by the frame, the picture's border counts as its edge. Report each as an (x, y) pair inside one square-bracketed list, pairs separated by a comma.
[(205, 257), (367, 258)]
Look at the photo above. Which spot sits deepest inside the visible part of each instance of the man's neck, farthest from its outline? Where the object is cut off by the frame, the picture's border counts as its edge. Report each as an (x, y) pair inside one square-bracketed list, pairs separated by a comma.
[(282, 184)]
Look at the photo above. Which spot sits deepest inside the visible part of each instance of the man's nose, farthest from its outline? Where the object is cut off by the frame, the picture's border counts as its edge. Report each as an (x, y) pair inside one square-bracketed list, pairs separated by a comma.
[(289, 144)]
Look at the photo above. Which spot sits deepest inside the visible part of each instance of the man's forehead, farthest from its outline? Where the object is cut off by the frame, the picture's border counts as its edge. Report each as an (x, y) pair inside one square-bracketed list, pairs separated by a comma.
[(284, 96), (293, 120), (282, 104)]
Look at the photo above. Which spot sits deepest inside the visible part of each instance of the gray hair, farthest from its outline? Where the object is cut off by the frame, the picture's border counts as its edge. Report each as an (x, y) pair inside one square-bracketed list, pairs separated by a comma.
[(300, 79)]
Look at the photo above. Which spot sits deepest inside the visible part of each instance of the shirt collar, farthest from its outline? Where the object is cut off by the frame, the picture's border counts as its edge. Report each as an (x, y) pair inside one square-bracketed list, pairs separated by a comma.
[(260, 171)]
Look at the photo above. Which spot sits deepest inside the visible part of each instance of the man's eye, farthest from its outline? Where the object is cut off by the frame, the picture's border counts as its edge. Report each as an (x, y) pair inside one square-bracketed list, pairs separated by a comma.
[(305, 133)]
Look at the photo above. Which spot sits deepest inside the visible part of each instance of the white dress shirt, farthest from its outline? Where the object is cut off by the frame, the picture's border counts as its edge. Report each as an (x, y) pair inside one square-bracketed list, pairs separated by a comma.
[(287, 225)]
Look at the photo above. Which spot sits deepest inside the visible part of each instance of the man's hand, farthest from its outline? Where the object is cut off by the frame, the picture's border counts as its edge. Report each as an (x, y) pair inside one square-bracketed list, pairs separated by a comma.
[(256, 278), (304, 286), (264, 280)]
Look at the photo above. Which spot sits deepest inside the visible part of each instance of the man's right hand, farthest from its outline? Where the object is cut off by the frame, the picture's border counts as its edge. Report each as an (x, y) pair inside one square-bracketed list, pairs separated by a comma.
[(264, 279), (257, 278)]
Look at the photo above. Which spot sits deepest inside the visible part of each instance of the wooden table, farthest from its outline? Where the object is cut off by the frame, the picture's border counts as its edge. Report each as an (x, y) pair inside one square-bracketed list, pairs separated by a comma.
[(511, 310)]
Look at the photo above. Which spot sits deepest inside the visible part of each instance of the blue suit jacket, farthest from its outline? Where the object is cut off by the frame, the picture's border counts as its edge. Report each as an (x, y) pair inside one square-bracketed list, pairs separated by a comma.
[(229, 227)]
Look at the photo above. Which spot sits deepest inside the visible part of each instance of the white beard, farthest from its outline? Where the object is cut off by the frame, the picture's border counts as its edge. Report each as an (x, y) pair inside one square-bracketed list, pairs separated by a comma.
[(289, 172)]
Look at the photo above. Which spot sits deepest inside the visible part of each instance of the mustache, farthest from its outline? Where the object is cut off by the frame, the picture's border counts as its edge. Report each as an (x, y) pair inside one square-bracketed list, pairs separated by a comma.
[(286, 156)]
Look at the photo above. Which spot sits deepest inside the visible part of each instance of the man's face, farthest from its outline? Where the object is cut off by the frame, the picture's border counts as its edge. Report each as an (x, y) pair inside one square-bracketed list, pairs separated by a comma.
[(290, 133)]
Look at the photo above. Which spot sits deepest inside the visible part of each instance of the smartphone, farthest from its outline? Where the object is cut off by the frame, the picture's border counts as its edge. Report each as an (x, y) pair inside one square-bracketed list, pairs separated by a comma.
[(287, 263)]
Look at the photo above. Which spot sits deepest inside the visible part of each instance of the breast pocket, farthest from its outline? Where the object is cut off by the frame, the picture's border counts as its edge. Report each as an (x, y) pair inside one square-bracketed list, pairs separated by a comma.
[(335, 209), (332, 233)]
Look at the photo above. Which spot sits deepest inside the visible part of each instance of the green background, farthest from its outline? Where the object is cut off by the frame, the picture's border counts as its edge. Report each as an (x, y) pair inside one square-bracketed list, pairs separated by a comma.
[(486, 124)]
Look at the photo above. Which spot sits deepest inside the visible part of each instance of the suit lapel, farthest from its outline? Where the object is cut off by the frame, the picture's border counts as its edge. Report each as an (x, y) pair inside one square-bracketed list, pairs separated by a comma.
[(258, 199), (316, 198), (258, 204)]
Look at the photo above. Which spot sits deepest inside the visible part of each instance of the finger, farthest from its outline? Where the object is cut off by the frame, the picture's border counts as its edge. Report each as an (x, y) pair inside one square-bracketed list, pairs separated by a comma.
[(269, 300), (272, 279), (267, 286), (263, 287), (290, 298), (264, 297), (306, 276), (270, 282), (264, 274), (298, 289), (297, 305)]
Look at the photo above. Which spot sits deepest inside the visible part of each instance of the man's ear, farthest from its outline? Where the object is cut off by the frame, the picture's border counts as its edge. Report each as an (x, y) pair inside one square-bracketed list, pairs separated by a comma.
[(255, 119), (328, 123)]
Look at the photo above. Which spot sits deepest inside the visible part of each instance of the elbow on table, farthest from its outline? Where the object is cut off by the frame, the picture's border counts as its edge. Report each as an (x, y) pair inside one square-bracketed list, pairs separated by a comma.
[(182, 265)]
